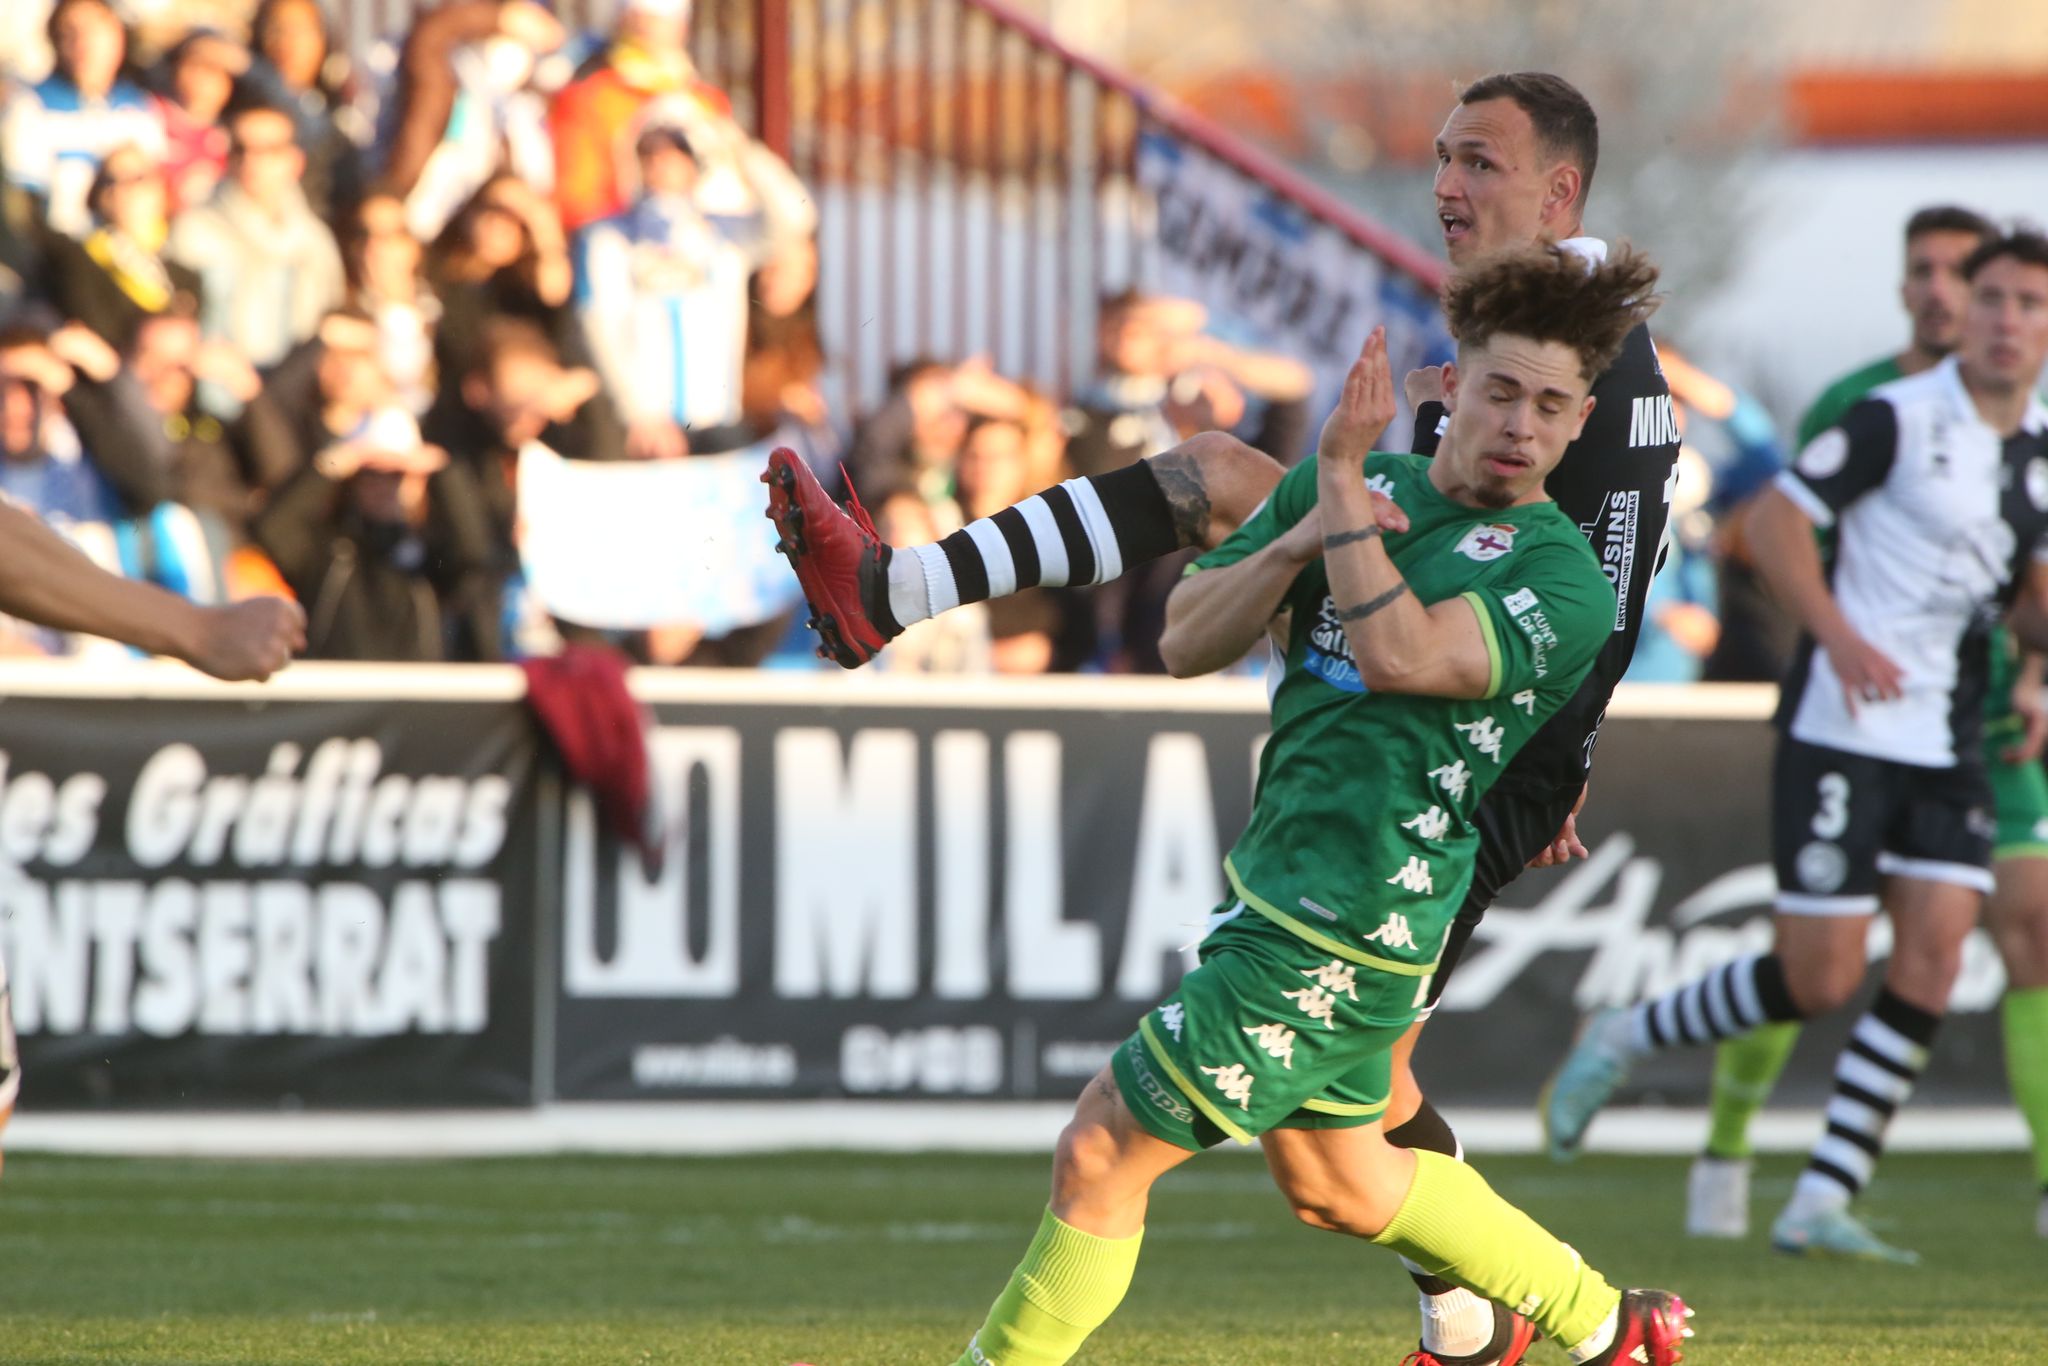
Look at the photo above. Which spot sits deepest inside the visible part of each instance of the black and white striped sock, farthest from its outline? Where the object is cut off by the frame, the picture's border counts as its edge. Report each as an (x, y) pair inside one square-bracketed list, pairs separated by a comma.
[(1080, 532), (1874, 1073), (1730, 1000)]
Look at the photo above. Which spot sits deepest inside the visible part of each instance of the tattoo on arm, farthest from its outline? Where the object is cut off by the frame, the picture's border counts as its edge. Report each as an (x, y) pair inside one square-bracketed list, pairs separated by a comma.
[(1335, 539), (1366, 609), (1180, 479)]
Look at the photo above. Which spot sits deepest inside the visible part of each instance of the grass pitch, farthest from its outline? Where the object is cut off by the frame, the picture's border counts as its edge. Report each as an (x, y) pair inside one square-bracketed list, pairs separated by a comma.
[(841, 1259)]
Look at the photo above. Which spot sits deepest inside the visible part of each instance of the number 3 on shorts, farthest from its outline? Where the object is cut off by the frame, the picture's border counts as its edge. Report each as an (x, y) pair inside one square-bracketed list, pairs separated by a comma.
[(1833, 816)]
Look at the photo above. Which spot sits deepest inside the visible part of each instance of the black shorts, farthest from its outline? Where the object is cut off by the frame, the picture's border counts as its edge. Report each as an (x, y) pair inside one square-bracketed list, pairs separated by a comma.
[(1841, 823), (1514, 826)]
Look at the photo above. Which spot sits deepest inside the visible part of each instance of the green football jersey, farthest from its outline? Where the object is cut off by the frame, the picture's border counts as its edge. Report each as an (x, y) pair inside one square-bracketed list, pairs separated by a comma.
[(1361, 837), (1839, 397)]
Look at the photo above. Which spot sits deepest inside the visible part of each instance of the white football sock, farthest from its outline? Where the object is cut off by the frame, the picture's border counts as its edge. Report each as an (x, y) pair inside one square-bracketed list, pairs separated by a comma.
[(1456, 1323), (917, 576)]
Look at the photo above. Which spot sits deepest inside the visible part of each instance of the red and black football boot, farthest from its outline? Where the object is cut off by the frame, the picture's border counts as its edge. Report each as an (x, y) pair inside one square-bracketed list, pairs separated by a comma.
[(839, 560), (1652, 1331), (1513, 1336)]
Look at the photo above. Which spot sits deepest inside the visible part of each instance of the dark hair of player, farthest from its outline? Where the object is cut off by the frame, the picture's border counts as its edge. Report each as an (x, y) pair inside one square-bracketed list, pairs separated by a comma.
[(1565, 123), (2028, 246), (1949, 218), (1549, 294)]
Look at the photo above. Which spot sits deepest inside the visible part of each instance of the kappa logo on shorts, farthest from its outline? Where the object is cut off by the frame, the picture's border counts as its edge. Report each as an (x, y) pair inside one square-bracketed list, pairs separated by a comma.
[(1234, 1082), (1164, 1098), (1276, 1039), (1980, 823), (1822, 867)]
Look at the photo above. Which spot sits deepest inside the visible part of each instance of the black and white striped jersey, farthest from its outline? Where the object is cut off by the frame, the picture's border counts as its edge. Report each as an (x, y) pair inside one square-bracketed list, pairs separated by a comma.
[(1936, 516), (1615, 482)]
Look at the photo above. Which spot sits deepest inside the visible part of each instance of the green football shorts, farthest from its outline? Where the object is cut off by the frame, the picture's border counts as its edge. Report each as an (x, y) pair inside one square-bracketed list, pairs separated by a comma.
[(2019, 794), (1270, 1032)]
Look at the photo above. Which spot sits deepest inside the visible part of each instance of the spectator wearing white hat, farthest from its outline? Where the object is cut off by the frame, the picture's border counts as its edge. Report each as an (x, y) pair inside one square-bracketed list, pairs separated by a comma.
[(388, 548)]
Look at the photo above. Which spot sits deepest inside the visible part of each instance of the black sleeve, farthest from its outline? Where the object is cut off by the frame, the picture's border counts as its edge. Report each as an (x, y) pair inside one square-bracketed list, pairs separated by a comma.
[(1428, 418), (1844, 462), (296, 529), (125, 438)]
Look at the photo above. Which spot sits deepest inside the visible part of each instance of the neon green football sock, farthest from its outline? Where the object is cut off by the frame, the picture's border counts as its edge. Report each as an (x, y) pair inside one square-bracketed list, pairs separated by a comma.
[(1455, 1226), (1068, 1283), (2026, 1065), (1746, 1070)]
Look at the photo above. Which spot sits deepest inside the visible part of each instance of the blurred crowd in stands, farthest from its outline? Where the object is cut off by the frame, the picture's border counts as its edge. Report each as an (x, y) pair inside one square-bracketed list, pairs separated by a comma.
[(271, 321)]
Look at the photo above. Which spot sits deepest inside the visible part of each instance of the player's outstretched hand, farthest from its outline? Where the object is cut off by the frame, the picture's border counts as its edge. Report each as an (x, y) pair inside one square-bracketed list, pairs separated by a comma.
[(1867, 673), (248, 640), (1365, 408), (1566, 846), (1424, 386)]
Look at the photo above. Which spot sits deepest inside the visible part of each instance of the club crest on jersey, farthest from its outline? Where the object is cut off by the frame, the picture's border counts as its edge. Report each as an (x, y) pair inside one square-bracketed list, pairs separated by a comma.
[(2037, 483), (1484, 543)]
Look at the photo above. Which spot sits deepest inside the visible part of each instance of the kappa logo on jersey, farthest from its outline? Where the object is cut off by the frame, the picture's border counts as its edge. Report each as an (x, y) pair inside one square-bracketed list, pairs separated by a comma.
[(1414, 876), (1329, 656), (1651, 422), (1613, 537), (1432, 824), (1173, 1015), (1381, 485), (1483, 543)]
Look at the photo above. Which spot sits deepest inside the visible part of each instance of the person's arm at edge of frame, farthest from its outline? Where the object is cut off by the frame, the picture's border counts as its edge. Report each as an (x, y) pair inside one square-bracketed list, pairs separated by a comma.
[(45, 579)]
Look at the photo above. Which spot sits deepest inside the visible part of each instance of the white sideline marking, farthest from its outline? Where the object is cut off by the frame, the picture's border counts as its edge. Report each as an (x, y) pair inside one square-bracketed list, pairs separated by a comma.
[(866, 1126)]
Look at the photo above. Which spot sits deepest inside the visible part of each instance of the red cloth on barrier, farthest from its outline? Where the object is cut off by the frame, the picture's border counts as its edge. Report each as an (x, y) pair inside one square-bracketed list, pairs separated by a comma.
[(581, 701)]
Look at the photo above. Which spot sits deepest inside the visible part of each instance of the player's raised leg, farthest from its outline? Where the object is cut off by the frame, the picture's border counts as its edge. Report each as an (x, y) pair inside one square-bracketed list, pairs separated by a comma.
[(1083, 531), (2018, 917)]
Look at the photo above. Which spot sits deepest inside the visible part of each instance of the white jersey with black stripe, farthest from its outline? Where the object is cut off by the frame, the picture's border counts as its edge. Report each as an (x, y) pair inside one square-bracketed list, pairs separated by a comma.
[(1936, 517)]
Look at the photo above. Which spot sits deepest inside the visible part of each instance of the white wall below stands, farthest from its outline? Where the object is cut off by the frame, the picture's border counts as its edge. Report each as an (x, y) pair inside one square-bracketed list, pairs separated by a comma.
[(1816, 292), (866, 1126)]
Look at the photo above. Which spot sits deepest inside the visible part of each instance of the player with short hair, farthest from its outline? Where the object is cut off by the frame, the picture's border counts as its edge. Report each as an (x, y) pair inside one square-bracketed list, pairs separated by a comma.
[(1937, 489), (1516, 158), (1440, 611), (46, 580), (1938, 240)]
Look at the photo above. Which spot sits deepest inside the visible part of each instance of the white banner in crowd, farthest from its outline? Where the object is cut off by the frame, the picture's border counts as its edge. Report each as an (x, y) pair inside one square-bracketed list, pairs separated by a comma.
[(625, 546), (1270, 275)]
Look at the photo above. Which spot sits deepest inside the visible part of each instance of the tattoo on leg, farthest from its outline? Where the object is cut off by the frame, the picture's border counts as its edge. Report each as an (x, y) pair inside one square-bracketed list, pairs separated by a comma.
[(1366, 609), (1180, 479)]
